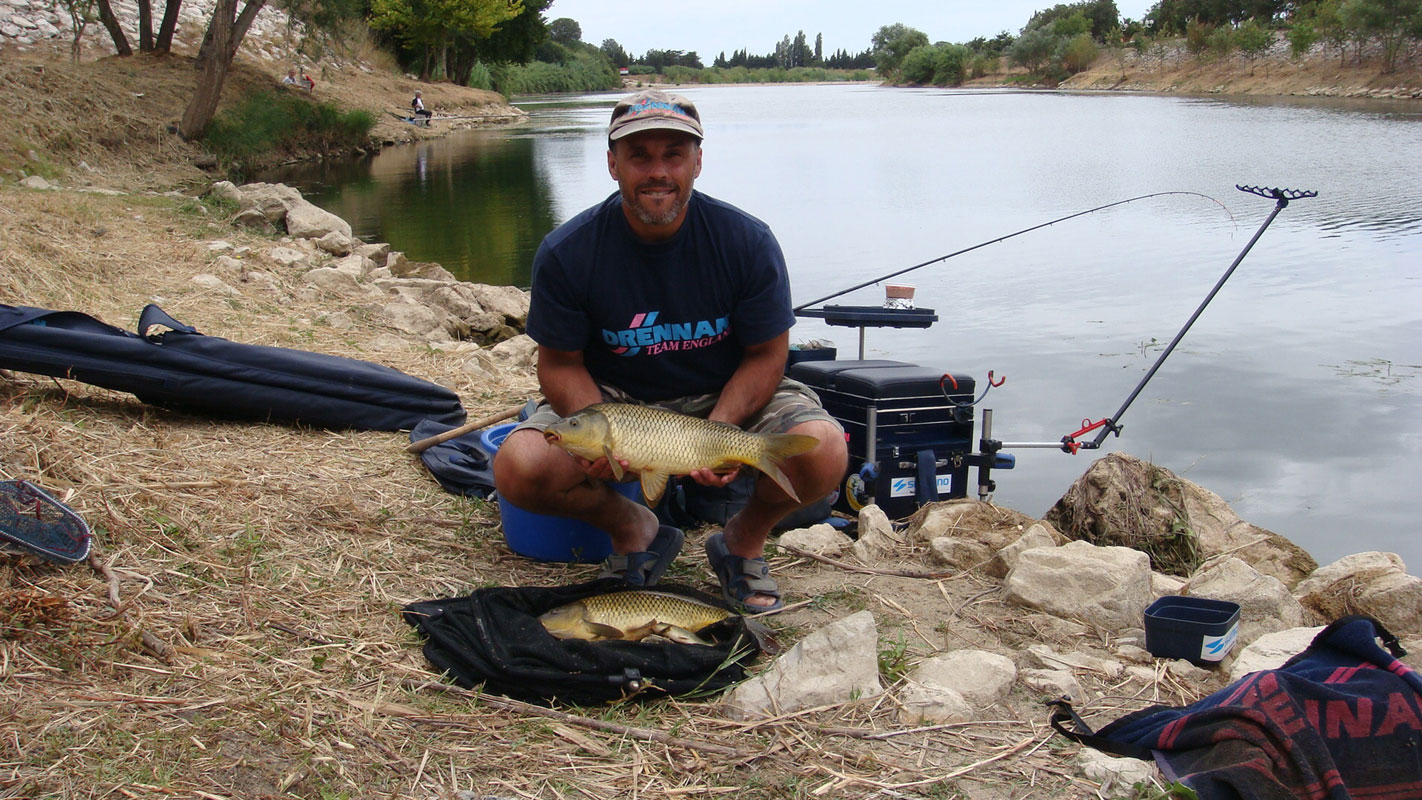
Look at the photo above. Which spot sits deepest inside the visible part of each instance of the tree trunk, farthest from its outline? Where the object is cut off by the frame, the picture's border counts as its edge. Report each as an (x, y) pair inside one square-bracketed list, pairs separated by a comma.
[(145, 26), (106, 16), (219, 46), (164, 44)]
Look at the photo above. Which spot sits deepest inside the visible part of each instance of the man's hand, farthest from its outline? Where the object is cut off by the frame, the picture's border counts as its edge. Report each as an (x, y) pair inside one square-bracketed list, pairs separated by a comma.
[(707, 477), (601, 468)]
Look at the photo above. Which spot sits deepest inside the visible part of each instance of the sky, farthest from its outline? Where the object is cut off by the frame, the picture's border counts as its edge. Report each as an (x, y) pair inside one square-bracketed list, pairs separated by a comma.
[(710, 27)]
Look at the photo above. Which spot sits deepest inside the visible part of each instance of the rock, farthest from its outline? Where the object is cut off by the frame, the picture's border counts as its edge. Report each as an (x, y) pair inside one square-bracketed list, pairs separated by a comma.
[(331, 280), (1038, 535), (835, 664), (254, 219), (958, 553), (822, 539), (1108, 587), (36, 182), (226, 191), (307, 221), (272, 199), (423, 269), (228, 265), (1117, 776), (1053, 683), (336, 243), (1165, 585), (1122, 500), (1375, 584), (980, 677), (931, 704), (877, 539), (1265, 605), (214, 283), (375, 252), (411, 317), (517, 352), (286, 256), (1271, 650), (994, 526), (1051, 659)]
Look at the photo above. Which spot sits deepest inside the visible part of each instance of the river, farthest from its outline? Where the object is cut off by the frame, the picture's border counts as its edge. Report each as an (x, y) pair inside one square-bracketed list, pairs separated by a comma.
[(1295, 396)]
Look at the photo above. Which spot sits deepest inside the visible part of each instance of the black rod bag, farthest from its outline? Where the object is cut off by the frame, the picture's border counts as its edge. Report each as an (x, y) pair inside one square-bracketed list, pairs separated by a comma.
[(493, 637), (184, 370)]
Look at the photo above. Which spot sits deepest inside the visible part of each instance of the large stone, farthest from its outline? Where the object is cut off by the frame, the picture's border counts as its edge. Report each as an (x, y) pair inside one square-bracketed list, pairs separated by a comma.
[(982, 678), (1122, 500), (973, 520), (307, 221), (1271, 650), (1376, 584), (822, 539), (272, 199), (1108, 587), (835, 664), (1265, 604), (1039, 535)]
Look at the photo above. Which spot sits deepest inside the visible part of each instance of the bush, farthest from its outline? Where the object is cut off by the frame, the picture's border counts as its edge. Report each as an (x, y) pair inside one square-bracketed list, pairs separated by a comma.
[(480, 77), (272, 122), (582, 73), (1221, 41), (1302, 37), (1197, 35), (1079, 53)]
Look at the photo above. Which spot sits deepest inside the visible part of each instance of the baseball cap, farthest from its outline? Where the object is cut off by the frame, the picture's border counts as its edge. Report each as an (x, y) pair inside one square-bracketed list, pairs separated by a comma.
[(653, 109)]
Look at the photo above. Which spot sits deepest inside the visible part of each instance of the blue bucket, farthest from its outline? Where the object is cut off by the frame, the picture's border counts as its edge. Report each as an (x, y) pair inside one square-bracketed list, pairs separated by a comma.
[(550, 538)]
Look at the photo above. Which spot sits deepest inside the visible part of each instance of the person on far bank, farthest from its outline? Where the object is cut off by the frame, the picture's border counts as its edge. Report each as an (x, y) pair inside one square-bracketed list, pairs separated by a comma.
[(417, 106), (663, 295), (301, 81)]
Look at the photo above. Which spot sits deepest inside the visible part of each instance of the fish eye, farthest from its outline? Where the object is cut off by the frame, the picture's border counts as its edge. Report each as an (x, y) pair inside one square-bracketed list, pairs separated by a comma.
[(573, 423)]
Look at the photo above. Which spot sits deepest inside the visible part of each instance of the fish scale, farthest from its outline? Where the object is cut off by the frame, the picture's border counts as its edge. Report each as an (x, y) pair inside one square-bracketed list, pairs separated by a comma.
[(657, 443)]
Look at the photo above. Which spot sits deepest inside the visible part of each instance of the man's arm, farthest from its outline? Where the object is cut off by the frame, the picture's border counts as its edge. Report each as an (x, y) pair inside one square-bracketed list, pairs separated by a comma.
[(754, 381), (565, 381)]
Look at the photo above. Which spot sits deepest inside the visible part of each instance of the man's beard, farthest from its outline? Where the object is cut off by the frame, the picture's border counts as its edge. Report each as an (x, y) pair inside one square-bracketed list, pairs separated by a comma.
[(647, 216)]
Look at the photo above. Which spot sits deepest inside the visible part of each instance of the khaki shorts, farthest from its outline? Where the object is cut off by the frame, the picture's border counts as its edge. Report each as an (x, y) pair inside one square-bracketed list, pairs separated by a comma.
[(792, 404)]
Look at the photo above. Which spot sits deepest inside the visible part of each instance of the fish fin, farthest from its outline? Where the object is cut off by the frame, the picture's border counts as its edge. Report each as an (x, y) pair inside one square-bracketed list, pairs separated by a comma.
[(764, 637), (682, 635), (778, 447), (617, 471), (653, 484), (605, 631)]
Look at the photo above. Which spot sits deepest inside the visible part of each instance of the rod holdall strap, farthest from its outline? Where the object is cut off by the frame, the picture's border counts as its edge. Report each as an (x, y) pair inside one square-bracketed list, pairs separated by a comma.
[(1062, 712), (153, 315)]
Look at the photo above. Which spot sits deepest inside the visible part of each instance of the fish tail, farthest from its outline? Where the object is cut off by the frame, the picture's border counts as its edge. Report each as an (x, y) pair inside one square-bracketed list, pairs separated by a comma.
[(778, 448)]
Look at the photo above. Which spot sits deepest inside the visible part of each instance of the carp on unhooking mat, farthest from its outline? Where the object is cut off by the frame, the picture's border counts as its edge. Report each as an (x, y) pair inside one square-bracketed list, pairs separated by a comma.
[(657, 443), (632, 616)]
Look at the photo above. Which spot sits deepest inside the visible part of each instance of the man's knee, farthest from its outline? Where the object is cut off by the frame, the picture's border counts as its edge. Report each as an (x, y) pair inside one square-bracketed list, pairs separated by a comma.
[(517, 470)]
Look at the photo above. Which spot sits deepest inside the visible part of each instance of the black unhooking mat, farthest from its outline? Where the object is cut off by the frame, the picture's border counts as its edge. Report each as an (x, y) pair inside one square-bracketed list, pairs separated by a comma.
[(1341, 720), (184, 370), (493, 637)]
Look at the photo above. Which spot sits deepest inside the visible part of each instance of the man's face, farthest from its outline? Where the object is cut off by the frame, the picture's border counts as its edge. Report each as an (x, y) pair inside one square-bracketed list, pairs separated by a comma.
[(655, 171)]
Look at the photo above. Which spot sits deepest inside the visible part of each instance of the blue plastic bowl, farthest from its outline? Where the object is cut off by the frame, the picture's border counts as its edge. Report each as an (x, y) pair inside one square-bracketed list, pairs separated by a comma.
[(550, 538)]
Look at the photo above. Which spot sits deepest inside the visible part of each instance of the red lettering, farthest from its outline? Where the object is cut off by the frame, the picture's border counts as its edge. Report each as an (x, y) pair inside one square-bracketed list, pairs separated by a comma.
[(1399, 712), (1311, 711), (1281, 711), (1342, 721)]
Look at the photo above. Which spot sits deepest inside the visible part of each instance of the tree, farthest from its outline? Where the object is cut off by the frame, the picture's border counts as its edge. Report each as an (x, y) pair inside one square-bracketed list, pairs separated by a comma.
[(565, 31), (1253, 41), (615, 53), (81, 13), (1390, 21), (1033, 50), (431, 26), (892, 43)]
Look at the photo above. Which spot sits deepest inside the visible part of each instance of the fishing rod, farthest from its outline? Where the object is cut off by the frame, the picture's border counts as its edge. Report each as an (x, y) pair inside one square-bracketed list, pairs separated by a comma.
[(897, 273), (1109, 425)]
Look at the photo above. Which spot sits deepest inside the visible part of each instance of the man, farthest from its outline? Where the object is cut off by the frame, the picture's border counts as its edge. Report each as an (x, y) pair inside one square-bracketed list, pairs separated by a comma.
[(710, 281), (303, 81), (418, 107)]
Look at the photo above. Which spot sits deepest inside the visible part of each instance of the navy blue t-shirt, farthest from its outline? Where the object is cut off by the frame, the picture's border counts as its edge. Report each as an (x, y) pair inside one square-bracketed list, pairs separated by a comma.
[(660, 320)]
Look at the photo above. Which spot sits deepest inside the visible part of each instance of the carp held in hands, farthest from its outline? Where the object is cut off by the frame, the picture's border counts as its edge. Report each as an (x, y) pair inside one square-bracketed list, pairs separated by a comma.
[(657, 443)]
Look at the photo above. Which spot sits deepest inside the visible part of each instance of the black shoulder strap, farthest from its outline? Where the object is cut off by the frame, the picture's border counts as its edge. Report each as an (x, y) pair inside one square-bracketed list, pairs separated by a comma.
[(1063, 712), (153, 315)]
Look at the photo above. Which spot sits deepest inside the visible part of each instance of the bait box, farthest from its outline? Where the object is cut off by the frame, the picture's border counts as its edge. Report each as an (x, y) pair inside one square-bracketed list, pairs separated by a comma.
[(1197, 629), (897, 416), (543, 537)]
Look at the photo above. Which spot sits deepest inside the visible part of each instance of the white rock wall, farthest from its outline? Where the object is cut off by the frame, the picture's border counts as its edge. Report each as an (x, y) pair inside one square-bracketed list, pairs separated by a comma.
[(27, 25)]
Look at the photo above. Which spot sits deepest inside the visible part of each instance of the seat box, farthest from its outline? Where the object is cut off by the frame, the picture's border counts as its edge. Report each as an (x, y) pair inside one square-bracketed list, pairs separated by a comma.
[(896, 414)]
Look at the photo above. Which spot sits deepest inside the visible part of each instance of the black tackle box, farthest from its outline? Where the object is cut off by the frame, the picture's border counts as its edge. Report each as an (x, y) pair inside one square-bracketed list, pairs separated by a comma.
[(905, 423)]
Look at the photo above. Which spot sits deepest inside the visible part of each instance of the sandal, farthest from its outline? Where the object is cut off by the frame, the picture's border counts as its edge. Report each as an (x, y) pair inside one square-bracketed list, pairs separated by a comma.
[(740, 578), (645, 568)]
